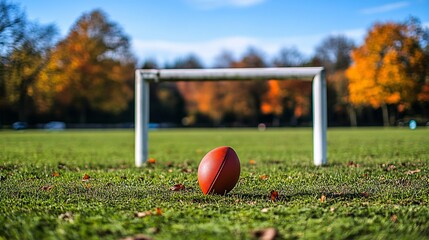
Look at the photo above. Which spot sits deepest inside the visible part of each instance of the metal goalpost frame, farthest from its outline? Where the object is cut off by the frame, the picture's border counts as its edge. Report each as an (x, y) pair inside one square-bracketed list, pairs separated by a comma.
[(314, 74)]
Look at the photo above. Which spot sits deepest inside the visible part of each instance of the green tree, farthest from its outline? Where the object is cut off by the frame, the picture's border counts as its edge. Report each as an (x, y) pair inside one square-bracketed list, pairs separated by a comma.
[(93, 67)]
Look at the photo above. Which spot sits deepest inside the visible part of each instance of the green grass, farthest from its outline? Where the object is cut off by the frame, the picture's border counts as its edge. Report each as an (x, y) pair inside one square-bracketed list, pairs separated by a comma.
[(376, 197)]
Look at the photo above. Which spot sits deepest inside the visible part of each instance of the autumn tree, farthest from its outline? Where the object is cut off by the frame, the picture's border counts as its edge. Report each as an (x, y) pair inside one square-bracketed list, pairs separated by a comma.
[(93, 67), (287, 99), (244, 99), (232, 101), (192, 92), (25, 51), (390, 67)]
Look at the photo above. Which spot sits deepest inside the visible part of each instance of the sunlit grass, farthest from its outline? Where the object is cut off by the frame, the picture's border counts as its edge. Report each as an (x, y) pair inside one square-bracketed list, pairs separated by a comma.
[(375, 185)]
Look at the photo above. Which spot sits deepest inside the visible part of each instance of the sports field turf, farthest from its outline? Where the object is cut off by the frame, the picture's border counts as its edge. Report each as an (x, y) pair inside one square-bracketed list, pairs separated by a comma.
[(83, 185)]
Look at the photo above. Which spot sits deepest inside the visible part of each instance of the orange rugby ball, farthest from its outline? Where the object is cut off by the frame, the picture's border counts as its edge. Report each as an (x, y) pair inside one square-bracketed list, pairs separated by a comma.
[(219, 171)]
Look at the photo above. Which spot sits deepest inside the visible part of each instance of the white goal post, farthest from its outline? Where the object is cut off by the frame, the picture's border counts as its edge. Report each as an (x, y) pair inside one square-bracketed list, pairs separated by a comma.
[(314, 74)]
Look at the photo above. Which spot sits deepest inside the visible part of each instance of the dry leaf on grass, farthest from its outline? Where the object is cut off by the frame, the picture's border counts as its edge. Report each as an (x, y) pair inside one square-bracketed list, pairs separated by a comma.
[(265, 210), (137, 237), (264, 177), (412, 171), (252, 162), (390, 167), (266, 234), (143, 214), (85, 178), (151, 160), (352, 164), (322, 198), (394, 218), (55, 174), (68, 216), (158, 211), (47, 187), (187, 170), (177, 187), (364, 194), (274, 195)]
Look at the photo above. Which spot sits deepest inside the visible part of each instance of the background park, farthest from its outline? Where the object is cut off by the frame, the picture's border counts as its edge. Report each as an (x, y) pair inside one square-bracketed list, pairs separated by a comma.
[(77, 183)]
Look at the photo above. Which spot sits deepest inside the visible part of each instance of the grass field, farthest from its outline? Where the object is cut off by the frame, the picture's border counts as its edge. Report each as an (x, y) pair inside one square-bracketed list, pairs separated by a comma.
[(375, 186)]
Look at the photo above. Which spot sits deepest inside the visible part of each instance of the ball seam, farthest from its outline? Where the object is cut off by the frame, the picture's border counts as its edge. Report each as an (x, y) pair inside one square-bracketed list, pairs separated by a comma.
[(218, 172)]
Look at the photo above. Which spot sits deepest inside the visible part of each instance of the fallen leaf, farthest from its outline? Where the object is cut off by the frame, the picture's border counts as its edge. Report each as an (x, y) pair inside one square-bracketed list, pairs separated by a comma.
[(274, 195), (264, 210), (158, 211), (322, 198), (137, 237), (62, 166), (142, 214), (153, 230), (151, 160), (68, 216), (252, 162), (394, 218), (365, 194), (332, 209), (187, 170), (266, 234), (55, 174), (352, 164), (177, 187), (390, 167), (47, 187), (264, 177), (412, 171), (85, 177)]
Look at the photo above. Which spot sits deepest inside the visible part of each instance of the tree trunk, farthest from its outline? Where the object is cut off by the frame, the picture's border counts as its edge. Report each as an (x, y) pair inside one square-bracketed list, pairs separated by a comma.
[(23, 100), (385, 112), (352, 116), (83, 115)]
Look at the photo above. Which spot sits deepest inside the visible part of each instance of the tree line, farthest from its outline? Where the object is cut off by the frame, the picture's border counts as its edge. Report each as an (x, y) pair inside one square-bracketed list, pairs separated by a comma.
[(88, 77)]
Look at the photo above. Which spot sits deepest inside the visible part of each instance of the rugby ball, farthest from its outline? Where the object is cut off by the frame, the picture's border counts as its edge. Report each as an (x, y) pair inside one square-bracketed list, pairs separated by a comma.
[(219, 171)]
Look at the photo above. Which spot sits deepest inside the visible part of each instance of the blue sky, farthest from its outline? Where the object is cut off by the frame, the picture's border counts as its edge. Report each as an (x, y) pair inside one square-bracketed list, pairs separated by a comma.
[(168, 29)]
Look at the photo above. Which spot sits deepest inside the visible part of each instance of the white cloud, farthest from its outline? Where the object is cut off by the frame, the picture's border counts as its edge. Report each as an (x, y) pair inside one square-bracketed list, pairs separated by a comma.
[(385, 8), (212, 4), (168, 51)]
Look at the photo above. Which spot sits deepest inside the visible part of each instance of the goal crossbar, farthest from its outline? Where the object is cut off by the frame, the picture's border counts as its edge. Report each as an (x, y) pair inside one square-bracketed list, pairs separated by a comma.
[(314, 74)]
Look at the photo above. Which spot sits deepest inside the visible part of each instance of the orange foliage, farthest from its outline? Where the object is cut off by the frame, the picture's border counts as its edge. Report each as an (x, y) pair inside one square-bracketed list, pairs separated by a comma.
[(272, 99), (387, 67), (424, 94), (92, 66)]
